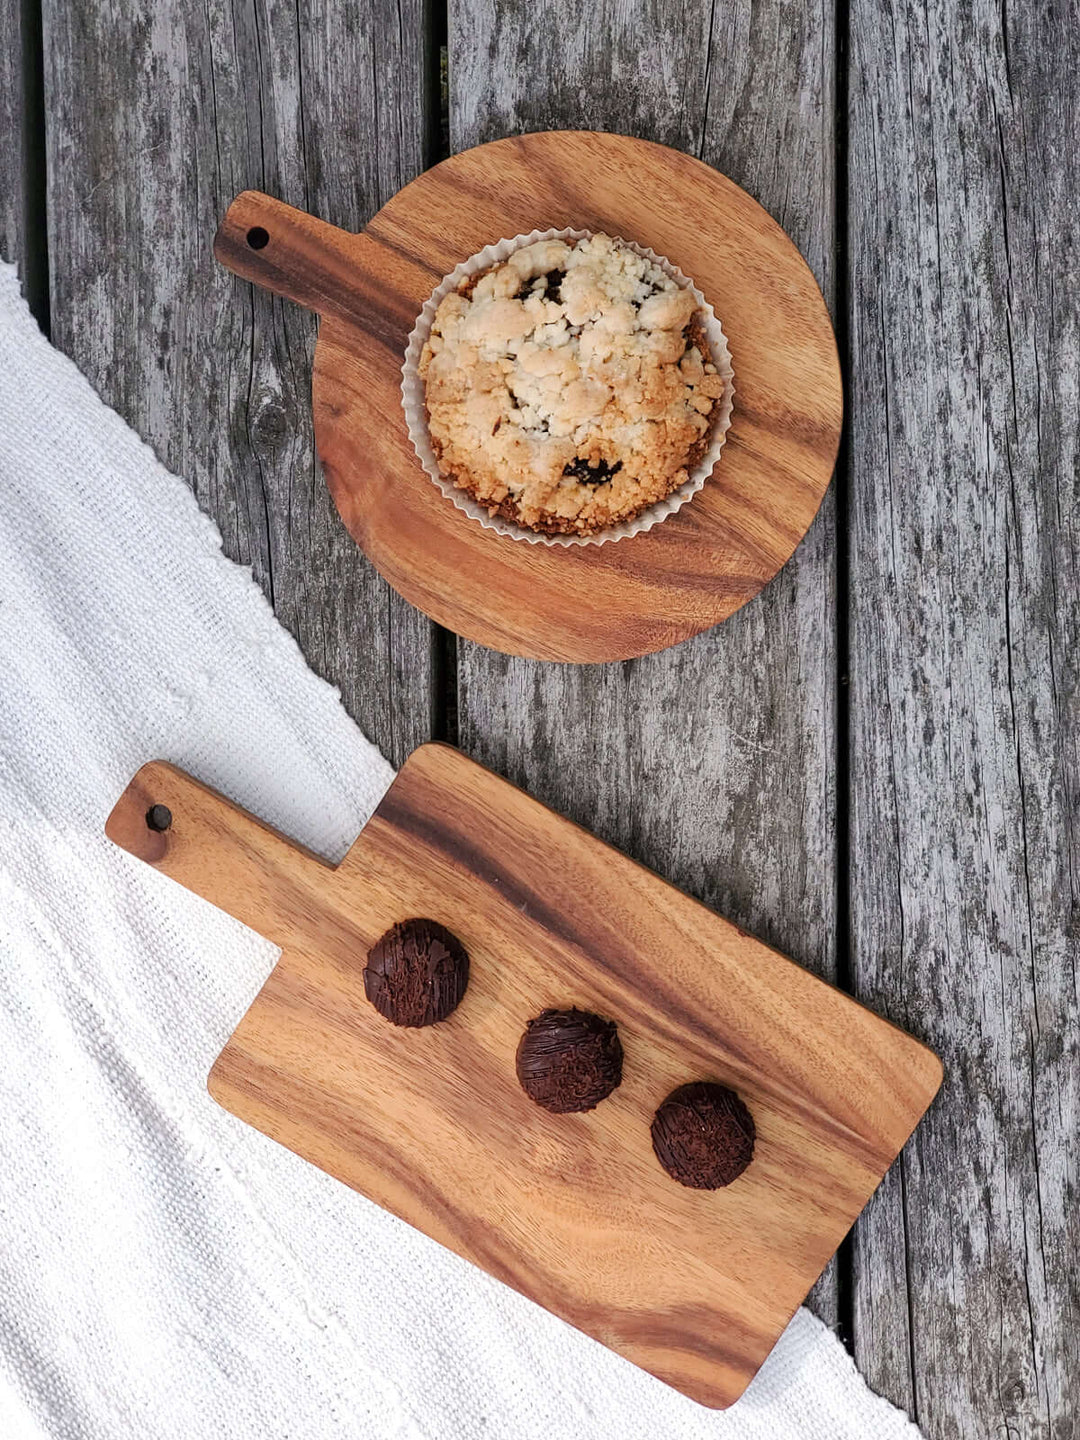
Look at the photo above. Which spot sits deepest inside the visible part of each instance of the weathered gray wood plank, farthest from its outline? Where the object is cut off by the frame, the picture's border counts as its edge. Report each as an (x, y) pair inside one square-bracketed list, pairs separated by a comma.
[(157, 116), (713, 762), (11, 111), (965, 623)]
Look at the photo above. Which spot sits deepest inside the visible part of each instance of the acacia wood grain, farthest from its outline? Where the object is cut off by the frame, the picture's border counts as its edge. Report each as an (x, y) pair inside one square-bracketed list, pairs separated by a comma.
[(574, 1211), (964, 171), (158, 114), (597, 602)]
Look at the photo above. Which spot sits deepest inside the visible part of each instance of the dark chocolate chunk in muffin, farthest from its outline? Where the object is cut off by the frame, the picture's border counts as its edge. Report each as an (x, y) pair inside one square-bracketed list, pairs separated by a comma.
[(589, 474), (550, 290), (553, 285)]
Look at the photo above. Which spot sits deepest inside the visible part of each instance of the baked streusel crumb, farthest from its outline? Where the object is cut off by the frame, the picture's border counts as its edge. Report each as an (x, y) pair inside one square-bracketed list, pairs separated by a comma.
[(570, 386)]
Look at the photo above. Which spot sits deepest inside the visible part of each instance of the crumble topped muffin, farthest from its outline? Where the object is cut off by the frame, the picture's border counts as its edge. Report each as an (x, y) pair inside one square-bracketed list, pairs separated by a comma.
[(570, 386)]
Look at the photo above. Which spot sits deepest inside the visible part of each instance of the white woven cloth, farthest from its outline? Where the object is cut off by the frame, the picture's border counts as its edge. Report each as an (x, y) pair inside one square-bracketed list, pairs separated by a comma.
[(164, 1270)]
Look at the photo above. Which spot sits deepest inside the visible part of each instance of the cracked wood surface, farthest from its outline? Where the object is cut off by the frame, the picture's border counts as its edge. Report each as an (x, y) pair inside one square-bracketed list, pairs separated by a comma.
[(957, 554), (157, 115), (964, 172)]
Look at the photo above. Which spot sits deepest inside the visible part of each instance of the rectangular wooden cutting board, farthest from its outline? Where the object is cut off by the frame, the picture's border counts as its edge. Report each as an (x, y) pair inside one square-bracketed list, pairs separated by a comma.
[(572, 1210)]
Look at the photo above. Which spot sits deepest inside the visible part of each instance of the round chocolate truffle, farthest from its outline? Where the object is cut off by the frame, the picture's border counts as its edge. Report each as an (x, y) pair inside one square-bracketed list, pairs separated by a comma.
[(569, 1060), (703, 1135), (416, 973)]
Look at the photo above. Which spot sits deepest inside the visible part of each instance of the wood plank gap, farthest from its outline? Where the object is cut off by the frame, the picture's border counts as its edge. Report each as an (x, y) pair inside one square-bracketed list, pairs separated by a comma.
[(444, 643), (35, 231), (437, 29), (444, 673), (845, 1258)]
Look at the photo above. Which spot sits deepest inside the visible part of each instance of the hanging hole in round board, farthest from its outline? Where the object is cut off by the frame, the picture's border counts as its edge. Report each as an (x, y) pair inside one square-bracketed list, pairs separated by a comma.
[(258, 238)]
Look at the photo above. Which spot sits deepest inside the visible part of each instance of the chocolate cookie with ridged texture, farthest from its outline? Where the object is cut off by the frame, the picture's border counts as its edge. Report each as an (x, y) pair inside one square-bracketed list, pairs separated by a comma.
[(569, 1060), (703, 1135), (416, 973)]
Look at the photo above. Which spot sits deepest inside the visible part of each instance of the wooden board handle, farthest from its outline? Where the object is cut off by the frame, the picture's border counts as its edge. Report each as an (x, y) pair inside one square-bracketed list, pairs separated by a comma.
[(295, 255), (218, 851)]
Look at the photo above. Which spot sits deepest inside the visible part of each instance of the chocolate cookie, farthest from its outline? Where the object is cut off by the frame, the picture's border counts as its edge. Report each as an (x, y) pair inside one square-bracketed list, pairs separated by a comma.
[(703, 1135), (416, 973), (569, 1060)]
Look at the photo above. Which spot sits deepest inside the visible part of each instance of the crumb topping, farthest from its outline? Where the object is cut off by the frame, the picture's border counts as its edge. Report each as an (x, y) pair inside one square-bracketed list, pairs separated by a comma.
[(570, 386)]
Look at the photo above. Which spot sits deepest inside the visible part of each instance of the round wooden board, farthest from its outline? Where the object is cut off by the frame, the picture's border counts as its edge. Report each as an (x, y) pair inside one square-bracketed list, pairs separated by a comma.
[(579, 603)]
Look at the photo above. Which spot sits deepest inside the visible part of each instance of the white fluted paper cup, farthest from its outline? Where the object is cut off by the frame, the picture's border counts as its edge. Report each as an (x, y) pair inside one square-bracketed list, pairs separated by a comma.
[(415, 404)]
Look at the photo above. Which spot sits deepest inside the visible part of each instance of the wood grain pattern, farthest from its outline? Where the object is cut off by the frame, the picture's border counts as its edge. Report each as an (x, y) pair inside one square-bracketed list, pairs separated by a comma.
[(964, 173), (713, 762), (574, 1211), (583, 603), (157, 115)]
